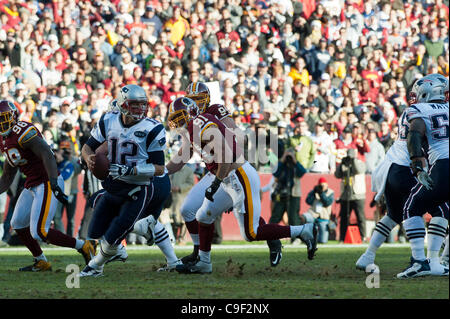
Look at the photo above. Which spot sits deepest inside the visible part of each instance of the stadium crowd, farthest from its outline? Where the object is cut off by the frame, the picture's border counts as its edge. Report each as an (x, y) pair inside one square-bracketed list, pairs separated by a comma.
[(330, 74)]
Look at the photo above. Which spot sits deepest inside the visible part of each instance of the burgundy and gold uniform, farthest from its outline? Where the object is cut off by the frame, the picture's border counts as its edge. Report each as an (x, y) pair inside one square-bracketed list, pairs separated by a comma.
[(24, 159), (218, 110)]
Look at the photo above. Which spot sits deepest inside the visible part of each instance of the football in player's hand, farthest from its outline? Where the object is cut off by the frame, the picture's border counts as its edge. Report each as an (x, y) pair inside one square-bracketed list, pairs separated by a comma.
[(101, 167)]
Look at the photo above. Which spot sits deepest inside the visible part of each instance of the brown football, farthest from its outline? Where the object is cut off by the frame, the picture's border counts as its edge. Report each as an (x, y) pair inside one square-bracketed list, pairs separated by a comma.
[(101, 167)]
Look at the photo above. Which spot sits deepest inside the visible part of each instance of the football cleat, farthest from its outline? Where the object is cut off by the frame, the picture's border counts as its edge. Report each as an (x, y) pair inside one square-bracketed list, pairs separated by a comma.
[(364, 261), (88, 271), (438, 269), (39, 265), (87, 251), (275, 252), (199, 267), (170, 267), (146, 227), (121, 255), (309, 237), (192, 257), (444, 260), (417, 268)]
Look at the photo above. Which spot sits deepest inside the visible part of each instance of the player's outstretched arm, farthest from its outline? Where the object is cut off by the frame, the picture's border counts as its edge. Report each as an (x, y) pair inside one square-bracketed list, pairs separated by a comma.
[(7, 177), (177, 162), (43, 151)]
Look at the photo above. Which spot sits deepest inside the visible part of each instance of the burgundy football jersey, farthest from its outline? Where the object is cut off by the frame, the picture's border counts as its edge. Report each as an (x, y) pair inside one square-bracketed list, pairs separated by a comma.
[(197, 126), (17, 156), (218, 110)]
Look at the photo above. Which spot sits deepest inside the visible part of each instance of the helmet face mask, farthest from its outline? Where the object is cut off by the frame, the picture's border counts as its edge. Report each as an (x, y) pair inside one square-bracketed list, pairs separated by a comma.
[(8, 117), (199, 92)]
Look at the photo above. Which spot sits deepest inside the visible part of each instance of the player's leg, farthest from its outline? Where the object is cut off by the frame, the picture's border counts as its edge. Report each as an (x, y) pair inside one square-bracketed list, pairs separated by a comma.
[(131, 210), (206, 216), (42, 213), (189, 208), (20, 222), (253, 226), (420, 201), (437, 231), (398, 185), (444, 256)]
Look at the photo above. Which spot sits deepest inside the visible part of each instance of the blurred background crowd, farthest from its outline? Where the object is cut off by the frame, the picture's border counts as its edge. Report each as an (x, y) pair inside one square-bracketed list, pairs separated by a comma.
[(324, 75)]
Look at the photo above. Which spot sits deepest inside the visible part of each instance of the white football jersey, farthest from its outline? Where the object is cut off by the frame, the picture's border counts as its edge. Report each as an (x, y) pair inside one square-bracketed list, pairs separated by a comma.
[(130, 145), (398, 152), (435, 116)]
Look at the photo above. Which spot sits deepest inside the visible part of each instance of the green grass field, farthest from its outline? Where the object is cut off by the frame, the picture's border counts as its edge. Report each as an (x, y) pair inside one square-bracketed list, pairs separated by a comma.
[(237, 273)]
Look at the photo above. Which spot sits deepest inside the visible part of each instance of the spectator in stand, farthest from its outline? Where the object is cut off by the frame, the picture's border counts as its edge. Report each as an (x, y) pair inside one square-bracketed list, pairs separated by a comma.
[(376, 154), (320, 199)]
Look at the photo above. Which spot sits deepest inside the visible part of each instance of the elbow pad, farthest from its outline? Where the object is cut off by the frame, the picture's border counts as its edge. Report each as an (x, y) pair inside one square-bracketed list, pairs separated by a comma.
[(415, 144), (145, 169)]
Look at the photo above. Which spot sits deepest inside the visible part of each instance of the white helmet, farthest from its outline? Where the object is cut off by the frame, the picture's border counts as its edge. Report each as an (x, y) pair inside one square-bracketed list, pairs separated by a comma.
[(433, 87), (132, 101)]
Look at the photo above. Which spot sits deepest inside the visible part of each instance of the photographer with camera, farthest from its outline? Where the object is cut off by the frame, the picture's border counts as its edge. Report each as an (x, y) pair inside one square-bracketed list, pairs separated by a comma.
[(353, 191), (286, 197), (320, 199)]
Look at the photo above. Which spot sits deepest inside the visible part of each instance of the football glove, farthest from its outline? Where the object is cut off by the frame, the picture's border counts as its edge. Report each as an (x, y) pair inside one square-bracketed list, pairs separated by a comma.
[(57, 191), (425, 180), (212, 189), (118, 170)]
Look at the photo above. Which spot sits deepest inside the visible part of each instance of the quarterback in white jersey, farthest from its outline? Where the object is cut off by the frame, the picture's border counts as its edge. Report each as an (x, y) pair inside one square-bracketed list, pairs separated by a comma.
[(428, 117), (136, 154)]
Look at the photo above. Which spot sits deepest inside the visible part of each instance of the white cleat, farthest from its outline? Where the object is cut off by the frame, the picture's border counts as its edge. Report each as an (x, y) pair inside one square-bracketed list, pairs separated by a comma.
[(170, 267), (444, 261), (364, 261), (200, 267), (309, 237), (121, 255), (88, 271), (438, 269), (146, 227), (417, 268)]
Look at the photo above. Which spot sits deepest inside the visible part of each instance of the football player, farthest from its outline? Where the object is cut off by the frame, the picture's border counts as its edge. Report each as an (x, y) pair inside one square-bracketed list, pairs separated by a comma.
[(428, 119), (199, 92), (238, 179), (393, 180), (136, 146), (26, 150)]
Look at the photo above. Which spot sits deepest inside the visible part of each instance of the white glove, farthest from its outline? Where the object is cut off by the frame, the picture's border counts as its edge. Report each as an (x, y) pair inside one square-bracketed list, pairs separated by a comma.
[(425, 180)]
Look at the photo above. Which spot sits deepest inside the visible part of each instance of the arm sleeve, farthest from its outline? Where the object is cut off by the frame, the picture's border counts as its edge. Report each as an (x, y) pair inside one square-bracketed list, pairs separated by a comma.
[(310, 198), (156, 139), (299, 170), (93, 143), (156, 157), (327, 200)]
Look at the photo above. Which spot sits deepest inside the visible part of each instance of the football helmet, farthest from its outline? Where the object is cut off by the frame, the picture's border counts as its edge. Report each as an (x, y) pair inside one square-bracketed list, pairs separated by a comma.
[(8, 116), (181, 111), (199, 92), (433, 87), (132, 101)]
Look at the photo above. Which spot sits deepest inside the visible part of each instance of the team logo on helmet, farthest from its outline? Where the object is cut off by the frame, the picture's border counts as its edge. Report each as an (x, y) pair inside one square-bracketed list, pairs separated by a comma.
[(181, 111), (132, 101)]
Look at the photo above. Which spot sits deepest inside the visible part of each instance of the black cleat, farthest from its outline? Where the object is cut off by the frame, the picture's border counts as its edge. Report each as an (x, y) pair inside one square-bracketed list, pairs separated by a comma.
[(275, 252), (192, 257)]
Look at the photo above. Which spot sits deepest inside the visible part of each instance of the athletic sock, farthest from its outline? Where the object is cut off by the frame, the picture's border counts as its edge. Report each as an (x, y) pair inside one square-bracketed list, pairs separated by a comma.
[(205, 256), (206, 234), (55, 237), (296, 230), (106, 252), (41, 257), (162, 240), (445, 252), (79, 244), (415, 231), (192, 228), (382, 231), (28, 240), (437, 230)]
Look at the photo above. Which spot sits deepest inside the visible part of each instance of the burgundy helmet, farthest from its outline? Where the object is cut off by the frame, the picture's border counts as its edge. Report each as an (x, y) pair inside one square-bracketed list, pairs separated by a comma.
[(8, 116), (199, 92), (181, 111)]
